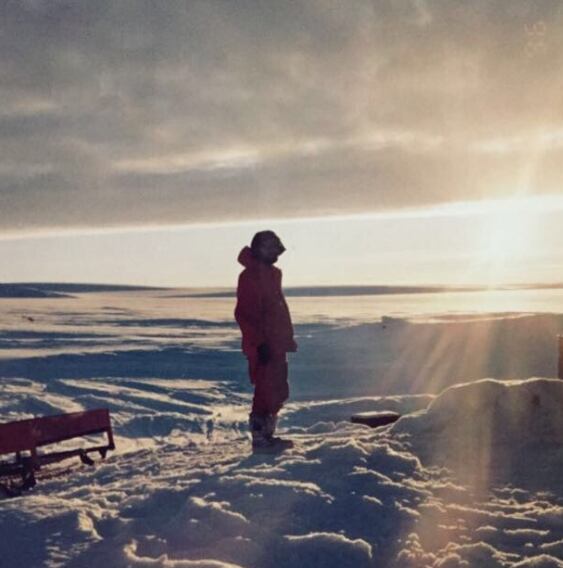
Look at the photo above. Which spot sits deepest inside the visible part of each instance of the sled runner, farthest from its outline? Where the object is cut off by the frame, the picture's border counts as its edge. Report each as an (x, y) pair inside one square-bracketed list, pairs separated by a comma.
[(24, 437), (375, 419)]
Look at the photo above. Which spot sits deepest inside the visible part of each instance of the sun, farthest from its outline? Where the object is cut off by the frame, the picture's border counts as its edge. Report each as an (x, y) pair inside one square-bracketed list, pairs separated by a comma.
[(508, 234)]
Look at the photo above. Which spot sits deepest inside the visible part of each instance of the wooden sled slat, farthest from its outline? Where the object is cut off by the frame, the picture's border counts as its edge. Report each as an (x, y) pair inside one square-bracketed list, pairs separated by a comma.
[(25, 436), (52, 429)]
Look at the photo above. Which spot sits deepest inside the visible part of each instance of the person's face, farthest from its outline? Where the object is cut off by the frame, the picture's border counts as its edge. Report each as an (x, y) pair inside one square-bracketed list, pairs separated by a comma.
[(270, 250)]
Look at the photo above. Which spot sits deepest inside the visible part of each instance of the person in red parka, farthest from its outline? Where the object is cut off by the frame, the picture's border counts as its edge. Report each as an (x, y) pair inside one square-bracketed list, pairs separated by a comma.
[(267, 334)]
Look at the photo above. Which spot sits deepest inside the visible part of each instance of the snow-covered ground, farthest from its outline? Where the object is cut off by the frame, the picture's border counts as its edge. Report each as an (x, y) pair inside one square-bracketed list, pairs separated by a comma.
[(471, 476)]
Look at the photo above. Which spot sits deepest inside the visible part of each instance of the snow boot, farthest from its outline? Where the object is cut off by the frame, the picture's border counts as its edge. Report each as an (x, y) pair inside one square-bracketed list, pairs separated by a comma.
[(270, 423), (262, 429), (257, 425)]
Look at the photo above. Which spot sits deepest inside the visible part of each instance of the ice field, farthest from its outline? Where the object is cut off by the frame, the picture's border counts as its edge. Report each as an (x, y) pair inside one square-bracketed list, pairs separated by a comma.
[(470, 476)]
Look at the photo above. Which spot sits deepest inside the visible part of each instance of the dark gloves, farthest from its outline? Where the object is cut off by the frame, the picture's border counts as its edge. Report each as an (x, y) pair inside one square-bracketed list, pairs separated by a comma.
[(264, 354)]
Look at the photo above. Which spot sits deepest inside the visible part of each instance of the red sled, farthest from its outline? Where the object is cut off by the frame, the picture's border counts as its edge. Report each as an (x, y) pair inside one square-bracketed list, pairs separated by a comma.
[(24, 437)]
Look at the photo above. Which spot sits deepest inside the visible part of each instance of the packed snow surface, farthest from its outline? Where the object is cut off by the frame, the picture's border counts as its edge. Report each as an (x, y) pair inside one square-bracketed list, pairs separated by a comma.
[(468, 477)]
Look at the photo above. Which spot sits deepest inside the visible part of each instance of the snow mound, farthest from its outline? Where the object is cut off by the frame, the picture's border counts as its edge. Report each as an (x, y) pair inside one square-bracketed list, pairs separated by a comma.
[(493, 430), (325, 549)]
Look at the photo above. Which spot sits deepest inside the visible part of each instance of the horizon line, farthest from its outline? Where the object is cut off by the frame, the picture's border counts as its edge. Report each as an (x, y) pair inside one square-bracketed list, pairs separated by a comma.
[(434, 285)]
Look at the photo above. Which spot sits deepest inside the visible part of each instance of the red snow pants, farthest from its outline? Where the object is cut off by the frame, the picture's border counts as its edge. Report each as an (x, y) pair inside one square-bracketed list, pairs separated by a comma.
[(271, 388)]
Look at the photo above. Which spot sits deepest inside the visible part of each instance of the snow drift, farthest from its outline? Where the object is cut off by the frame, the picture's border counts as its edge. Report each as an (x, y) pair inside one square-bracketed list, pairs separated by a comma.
[(492, 431)]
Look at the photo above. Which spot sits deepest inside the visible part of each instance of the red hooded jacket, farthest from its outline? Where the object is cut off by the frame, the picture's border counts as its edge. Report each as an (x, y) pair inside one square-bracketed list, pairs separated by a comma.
[(261, 311)]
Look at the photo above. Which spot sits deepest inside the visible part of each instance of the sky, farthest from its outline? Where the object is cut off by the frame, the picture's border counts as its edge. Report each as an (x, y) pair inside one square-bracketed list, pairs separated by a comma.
[(488, 243), (138, 137)]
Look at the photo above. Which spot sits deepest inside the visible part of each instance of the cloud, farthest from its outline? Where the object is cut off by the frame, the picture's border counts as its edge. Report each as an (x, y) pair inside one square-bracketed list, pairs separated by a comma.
[(142, 112)]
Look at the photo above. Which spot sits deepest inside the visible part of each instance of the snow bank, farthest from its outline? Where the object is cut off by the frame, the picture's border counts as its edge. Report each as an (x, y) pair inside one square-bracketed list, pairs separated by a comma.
[(492, 431)]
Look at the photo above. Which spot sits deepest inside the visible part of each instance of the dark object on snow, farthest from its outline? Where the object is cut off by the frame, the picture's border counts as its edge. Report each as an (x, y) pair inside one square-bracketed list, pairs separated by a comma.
[(560, 337), (375, 419), (25, 436), (386, 321)]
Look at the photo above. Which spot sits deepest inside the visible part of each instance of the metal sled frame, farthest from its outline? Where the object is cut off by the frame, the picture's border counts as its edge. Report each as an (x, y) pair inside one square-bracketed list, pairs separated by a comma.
[(26, 436)]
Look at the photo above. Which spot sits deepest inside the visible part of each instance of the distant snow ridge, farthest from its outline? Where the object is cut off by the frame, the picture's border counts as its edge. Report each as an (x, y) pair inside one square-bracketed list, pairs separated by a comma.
[(491, 431), (19, 291)]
